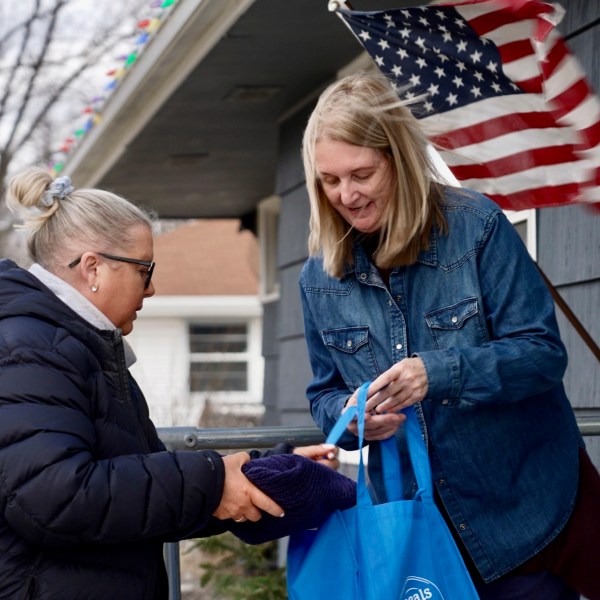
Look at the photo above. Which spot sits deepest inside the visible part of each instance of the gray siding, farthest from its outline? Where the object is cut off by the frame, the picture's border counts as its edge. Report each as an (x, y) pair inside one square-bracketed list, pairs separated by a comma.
[(294, 368), (569, 241)]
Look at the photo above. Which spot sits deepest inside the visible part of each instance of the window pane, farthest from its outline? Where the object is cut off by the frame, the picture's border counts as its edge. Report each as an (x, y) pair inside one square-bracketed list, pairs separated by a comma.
[(219, 377), (218, 338)]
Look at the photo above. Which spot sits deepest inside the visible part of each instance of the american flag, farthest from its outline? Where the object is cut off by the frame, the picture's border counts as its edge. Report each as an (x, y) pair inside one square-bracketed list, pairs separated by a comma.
[(498, 93)]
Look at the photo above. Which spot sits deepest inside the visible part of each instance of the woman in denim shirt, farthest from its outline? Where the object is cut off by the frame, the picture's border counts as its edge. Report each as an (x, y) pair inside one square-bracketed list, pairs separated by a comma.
[(427, 291)]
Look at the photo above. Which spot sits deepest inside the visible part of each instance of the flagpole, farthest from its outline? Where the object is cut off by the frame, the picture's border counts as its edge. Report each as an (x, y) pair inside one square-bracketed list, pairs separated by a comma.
[(587, 338)]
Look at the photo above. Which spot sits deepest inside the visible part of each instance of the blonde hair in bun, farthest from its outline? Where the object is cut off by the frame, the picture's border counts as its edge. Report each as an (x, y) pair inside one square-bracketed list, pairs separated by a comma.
[(61, 221)]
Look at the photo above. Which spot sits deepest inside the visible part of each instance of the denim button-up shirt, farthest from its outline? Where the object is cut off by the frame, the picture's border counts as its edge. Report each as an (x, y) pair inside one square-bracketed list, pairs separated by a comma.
[(501, 434)]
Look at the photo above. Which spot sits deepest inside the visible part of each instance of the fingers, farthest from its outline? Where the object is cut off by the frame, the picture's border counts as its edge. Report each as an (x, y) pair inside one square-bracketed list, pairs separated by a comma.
[(317, 452), (241, 500), (326, 454), (403, 385), (379, 427), (260, 501)]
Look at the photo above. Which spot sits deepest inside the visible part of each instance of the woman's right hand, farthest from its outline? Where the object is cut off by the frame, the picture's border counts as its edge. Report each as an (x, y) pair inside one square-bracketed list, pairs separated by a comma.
[(377, 426), (242, 500)]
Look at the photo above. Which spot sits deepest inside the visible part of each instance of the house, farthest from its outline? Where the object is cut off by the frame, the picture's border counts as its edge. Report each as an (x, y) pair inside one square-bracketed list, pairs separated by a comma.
[(208, 125), (198, 339)]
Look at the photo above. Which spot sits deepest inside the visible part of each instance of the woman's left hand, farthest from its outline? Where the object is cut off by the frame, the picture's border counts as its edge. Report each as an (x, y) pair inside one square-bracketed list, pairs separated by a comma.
[(401, 386), (326, 454)]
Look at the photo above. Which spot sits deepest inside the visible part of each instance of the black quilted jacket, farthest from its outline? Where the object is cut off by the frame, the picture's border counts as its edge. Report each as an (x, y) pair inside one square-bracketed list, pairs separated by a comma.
[(88, 493)]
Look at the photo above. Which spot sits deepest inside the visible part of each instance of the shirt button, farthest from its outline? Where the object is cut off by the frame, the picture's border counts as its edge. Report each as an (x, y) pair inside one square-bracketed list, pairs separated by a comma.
[(462, 526), (445, 402), (454, 319), (442, 482), (349, 343), (363, 276), (398, 297), (398, 346)]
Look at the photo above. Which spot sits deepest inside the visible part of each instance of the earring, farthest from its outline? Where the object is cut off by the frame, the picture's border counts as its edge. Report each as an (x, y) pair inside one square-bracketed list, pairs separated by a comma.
[(94, 288)]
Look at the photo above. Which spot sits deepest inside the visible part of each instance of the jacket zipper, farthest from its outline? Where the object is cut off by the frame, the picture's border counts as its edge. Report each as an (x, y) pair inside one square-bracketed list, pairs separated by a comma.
[(124, 390)]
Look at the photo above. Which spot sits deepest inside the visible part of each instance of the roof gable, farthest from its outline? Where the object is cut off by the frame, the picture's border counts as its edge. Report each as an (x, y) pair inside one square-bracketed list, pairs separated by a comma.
[(206, 258)]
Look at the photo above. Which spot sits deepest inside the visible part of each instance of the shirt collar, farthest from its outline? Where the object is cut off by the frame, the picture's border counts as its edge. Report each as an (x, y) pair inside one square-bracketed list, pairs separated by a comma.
[(79, 304), (362, 265)]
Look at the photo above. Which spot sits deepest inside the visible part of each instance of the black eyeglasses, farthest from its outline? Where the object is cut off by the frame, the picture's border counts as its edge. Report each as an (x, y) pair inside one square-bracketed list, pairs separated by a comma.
[(136, 261)]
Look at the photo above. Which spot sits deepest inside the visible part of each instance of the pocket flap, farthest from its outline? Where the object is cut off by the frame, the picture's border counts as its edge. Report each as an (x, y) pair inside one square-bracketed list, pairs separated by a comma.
[(348, 339), (452, 317)]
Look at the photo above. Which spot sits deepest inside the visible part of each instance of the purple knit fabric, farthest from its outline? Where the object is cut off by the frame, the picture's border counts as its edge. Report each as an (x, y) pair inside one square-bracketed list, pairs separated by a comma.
[(307, 491)]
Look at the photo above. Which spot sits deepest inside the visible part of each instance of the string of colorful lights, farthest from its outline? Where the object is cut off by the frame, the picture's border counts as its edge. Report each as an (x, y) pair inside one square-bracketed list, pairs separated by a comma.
[(93, 110)]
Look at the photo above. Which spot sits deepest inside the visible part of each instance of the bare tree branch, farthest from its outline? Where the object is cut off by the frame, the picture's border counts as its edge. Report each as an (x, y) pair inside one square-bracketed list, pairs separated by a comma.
[(36, 70), (19, 62), (16, 28)]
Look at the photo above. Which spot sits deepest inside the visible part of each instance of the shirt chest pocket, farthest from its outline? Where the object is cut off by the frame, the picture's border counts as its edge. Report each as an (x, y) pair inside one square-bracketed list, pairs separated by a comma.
[(352, 353), (461, 324)]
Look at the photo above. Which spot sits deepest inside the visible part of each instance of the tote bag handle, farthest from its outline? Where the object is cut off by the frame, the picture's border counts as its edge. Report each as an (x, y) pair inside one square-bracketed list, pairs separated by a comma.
[(389, 452)]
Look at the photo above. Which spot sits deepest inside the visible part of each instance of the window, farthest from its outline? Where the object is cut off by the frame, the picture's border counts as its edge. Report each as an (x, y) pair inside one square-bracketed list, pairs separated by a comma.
[(219, 357), (525, 223)]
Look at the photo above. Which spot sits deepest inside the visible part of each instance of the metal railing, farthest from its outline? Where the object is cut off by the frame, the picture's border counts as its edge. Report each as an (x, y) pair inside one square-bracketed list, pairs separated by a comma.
[(193, 438)]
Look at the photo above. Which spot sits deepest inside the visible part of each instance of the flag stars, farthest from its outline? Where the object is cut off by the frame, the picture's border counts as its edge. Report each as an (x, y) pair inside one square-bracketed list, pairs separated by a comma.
[(433, 89), (452, 99), (415, 80), (421, 43), (457, 81), (442, 62), (476, 57), (492, 66)]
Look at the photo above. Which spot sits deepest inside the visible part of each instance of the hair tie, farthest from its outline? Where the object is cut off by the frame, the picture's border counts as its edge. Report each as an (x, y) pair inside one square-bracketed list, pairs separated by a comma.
[(59, 188)]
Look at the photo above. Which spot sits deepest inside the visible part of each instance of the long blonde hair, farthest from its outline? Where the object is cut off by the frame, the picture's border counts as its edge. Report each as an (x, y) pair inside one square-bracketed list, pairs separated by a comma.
[(364, 110), (67, 222)]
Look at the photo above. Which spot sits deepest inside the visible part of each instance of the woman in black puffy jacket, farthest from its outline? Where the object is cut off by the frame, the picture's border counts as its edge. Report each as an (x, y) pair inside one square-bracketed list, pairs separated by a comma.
[(88, 493)]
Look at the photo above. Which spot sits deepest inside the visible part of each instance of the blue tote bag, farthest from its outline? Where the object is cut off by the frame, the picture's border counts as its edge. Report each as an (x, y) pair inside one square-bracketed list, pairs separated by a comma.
[(399, 550)]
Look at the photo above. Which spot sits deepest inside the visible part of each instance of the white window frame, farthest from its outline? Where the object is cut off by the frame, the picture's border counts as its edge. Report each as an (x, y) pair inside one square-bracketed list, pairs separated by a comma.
[(252, 357), (529, 217)]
